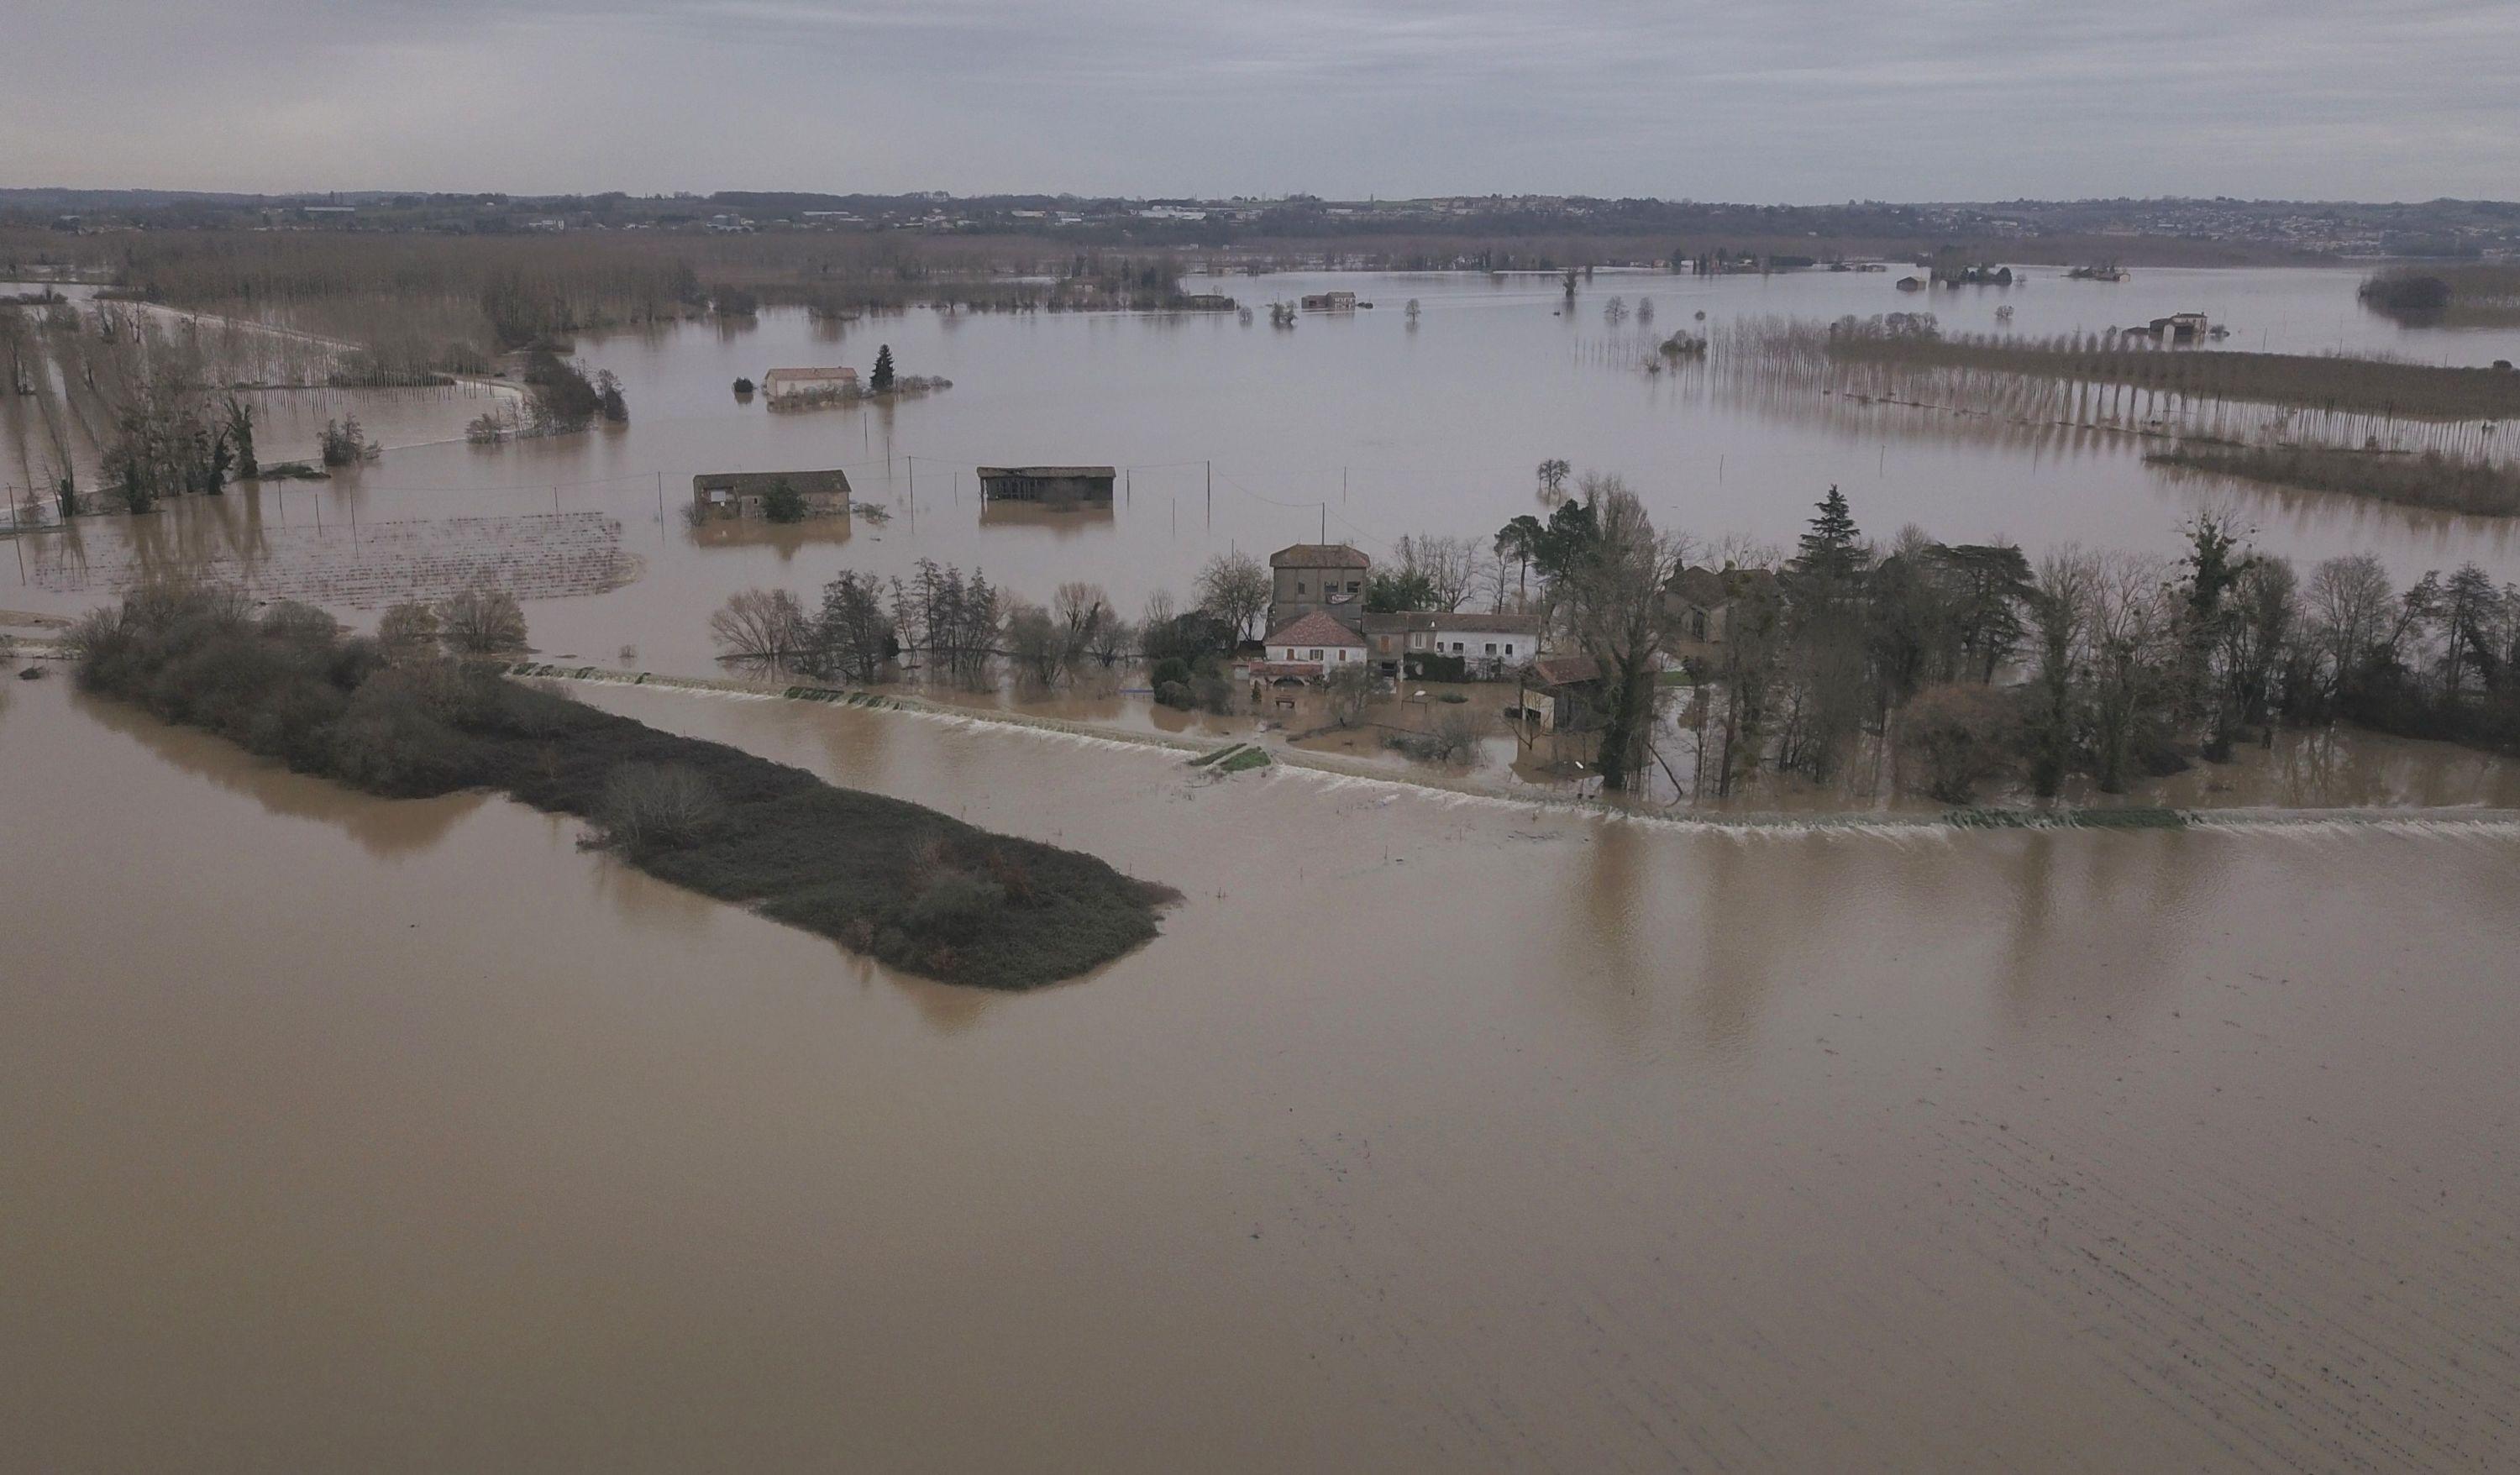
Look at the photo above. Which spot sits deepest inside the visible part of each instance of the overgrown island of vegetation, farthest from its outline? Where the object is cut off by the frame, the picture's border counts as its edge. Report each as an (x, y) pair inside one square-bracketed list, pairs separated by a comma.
[(407, 714)]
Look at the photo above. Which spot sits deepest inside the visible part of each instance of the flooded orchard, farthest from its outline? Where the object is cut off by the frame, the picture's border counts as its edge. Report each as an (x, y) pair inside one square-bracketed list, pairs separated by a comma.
[(1435, 1133)]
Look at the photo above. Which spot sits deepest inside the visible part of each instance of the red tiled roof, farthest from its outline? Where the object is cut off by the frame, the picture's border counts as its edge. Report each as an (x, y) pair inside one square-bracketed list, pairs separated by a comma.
[(1564, 670), (1315, 629)]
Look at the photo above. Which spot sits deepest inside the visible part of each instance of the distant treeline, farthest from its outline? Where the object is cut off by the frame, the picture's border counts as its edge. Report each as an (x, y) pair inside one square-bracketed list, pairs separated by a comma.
[(2318, 382), (898, 881), (422, 303), (2418, 479), (2476, 296)]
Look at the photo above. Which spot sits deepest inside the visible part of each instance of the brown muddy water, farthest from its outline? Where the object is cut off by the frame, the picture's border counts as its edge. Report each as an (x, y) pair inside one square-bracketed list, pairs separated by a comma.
[(1433, 1135)]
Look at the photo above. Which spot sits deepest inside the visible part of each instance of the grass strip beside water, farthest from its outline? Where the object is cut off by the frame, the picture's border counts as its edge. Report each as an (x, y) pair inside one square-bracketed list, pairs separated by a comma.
[(898, 881)]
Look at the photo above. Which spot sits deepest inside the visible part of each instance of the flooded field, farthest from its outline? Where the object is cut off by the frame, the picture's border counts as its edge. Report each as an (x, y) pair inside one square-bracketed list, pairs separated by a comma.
[(1352, 426), (1435, 1134)]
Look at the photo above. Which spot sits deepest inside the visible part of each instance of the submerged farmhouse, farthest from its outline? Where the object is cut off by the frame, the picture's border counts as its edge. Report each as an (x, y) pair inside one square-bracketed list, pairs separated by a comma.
[(1485, 645), (1324, 577), (808, 384), (1329, 301), (1312, 644), (742, 494), (1046, 483)]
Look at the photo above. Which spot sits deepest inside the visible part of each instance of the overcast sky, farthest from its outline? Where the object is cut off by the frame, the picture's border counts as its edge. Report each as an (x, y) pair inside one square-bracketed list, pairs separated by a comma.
[(1785, 101)]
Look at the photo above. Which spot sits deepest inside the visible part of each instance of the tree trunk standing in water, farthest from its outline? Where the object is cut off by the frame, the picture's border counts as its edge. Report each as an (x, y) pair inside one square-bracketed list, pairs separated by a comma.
[(1611, 597), (2132, 639), (2060, 608)]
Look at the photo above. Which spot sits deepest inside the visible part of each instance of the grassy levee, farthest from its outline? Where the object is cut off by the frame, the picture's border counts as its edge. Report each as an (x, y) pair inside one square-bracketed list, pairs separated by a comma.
[(898, 881), (2318, 382), (2430, 479)]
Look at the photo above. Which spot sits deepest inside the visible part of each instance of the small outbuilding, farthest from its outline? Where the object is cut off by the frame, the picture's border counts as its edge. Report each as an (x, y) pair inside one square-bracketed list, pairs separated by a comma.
[(1047, 484), (809, 383)]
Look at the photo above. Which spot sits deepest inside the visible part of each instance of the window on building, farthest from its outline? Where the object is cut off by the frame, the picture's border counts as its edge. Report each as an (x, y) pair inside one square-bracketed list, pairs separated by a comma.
[(1299, 586), (1317, 655), (1508, 647), (1491, 648)]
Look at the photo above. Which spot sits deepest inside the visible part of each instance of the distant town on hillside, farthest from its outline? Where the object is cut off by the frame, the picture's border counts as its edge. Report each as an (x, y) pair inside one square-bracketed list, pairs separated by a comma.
[(2164, 231)]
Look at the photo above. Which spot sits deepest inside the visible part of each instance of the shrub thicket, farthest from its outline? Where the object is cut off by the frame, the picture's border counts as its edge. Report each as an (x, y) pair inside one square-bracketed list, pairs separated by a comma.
[(918, 889)]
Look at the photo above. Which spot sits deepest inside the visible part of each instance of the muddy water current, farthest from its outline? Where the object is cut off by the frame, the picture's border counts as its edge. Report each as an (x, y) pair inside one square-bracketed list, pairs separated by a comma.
[(1434, 1134)]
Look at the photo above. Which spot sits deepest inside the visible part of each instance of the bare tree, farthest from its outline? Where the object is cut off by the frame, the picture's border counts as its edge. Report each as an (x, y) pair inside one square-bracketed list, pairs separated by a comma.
[(2060, 611), (1612, 609), (1035, 643), (854, 636), (760, 624), (408, 631), (482, 621), (651, 806), (2133, 646), (1351, 690), (2351, 605), (1080, 610), (1235, 588)]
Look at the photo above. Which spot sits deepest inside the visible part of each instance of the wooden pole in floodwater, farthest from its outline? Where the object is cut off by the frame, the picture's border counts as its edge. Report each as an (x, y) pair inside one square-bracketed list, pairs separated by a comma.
[(1211, 494)]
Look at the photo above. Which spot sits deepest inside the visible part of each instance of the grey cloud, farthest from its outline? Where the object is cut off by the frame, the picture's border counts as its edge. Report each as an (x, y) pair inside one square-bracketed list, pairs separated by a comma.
[(1795, 100)]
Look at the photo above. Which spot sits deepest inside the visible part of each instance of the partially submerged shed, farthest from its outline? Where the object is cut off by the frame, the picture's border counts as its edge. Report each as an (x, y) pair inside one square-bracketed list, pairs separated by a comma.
[(1047, 484)]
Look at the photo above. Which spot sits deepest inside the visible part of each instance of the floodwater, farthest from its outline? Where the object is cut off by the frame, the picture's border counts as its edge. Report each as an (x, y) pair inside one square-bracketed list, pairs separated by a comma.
[(1434, 1134), (1358, 427)]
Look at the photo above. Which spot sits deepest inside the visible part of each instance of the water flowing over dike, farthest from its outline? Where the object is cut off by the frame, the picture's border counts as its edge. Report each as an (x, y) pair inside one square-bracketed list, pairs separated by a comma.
[(1206, 752)]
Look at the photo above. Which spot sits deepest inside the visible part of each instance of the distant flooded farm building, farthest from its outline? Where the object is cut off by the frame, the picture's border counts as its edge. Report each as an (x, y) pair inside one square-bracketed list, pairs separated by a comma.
[(739, 494), (787, 383), (1047, 484), (2181, 328), (1327, 577), (1329, 301)]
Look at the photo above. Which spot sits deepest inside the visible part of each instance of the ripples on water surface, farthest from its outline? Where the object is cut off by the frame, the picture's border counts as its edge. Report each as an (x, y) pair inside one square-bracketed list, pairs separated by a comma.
[(345, 1131)]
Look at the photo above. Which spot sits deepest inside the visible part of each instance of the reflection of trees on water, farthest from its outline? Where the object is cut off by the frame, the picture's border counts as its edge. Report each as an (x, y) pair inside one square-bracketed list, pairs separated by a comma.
[(384, 828)]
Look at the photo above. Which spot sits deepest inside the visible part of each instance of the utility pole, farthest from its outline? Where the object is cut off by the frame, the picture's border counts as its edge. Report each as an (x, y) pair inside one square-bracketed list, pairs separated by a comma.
[(914, 478), (1211, 494), (660, 499)]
